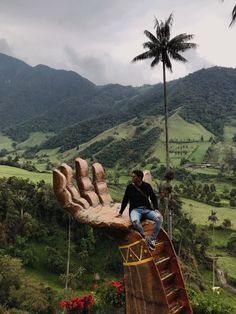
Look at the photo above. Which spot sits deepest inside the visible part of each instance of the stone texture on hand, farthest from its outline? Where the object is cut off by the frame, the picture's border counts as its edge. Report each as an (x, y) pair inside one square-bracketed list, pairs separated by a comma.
[(91, 202)]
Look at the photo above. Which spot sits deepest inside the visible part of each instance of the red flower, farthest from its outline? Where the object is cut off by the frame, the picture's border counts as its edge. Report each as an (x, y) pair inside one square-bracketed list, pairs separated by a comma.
[(116, 284), (63, 304), (77, 303)]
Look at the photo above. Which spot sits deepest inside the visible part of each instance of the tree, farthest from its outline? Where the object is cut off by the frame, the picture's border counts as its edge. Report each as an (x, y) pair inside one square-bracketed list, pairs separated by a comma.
[(227, 223), (213, 219), (231, 245), (233, 16), (162, 48)]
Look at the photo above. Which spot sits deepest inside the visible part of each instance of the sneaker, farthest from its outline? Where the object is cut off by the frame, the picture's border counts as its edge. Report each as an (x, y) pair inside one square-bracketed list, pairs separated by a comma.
[(152, 244)]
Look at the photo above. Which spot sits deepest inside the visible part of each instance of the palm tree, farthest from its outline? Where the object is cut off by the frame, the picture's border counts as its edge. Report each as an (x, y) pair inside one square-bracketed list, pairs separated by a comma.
[(213, 219), (233, 16), (161, 48)]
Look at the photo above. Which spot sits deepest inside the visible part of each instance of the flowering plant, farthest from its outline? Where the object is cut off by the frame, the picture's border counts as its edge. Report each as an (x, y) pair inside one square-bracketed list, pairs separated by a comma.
[(78, 305), (112, 293), (120, 290)]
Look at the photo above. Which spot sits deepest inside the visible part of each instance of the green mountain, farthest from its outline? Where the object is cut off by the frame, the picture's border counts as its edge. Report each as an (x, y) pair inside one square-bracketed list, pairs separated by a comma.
[(207, 97), (40, 99), (27, 92)]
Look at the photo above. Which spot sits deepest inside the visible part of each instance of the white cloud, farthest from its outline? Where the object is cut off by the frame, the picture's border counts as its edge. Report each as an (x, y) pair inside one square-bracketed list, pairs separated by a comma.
[(99, 38), (4, 47)]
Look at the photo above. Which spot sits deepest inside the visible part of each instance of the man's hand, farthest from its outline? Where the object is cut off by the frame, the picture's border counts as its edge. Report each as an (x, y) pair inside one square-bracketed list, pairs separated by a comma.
[(91, 203)]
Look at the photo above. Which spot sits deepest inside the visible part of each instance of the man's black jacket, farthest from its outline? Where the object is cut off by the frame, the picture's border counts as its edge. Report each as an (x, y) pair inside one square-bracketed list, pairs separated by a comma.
[(136, 199)]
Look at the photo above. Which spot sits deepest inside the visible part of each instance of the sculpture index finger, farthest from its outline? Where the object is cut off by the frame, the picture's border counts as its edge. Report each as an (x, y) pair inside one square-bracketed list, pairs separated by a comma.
[(84, 183)]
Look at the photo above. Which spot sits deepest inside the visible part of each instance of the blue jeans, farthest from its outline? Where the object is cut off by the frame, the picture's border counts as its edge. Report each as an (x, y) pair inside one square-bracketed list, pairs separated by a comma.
[(146, 213)]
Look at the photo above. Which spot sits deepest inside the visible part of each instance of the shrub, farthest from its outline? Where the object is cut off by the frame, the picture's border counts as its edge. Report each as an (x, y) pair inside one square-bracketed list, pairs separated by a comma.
[(209, 303), (112, 294), (227, 223)]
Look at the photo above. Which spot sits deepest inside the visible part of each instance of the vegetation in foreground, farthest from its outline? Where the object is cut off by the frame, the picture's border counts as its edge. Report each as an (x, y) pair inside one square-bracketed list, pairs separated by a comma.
[(34, 236)]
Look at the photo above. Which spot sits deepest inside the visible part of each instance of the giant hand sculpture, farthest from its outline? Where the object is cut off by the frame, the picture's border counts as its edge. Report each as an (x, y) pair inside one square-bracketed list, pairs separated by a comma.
[(153, 280)]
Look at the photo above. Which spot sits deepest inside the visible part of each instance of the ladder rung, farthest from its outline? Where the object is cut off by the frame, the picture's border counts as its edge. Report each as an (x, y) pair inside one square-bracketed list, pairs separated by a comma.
[(176, 308), (162, 260), (171, 290), (166, 274)]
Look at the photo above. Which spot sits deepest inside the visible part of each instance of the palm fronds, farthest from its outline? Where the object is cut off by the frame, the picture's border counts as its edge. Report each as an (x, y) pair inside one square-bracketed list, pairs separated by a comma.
[(233, 16), (161, 47)]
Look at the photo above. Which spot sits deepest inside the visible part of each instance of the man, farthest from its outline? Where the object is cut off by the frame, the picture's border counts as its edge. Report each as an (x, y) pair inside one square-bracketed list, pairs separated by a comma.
[(137, 195)]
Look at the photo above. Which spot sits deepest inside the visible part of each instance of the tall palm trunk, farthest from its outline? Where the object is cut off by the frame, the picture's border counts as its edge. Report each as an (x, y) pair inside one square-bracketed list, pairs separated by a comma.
[(214, 257), (166, 117), (167, 209)]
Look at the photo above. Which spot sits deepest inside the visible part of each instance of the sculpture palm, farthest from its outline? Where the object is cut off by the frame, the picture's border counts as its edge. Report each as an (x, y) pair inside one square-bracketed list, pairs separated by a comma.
[(162, 48), (91, 203)]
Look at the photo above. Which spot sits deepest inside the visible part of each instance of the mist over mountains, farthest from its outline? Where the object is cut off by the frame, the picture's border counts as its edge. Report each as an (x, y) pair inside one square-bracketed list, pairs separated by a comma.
[(44, 99)]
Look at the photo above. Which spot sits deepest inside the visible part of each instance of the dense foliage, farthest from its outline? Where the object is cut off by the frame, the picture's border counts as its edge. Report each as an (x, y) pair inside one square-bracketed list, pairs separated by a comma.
[(127, 151), (33, 231)]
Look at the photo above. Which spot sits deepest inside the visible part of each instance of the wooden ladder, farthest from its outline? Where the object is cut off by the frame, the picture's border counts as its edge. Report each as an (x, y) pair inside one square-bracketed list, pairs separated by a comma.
[(153, 279), (167, 265)]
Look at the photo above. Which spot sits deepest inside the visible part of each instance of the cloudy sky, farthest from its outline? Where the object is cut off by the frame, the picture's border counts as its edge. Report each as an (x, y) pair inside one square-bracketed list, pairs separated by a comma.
[(99, 38)]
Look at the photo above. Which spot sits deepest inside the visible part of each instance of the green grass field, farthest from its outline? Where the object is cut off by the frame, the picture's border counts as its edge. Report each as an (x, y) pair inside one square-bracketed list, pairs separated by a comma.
[(6, 171), (183, 130), (179, 130), (200, 212), (229, 132), (221, 237), (36, 138), (210, 171), (5, 142), (228, 264), (198, 155)]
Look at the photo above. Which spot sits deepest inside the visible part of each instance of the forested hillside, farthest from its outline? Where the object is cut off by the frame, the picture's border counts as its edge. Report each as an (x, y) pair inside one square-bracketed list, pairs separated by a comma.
[(27, 92), (44, 99)]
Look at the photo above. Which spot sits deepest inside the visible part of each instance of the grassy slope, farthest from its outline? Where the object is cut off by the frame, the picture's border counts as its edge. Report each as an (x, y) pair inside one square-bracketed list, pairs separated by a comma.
[(6, 171), (200, 212), (221, 149), (179, 130), (35, 138), (5, 142), (229, 132)]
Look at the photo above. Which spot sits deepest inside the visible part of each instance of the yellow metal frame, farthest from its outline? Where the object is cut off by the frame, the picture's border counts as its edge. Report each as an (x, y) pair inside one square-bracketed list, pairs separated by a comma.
[(130, 253)]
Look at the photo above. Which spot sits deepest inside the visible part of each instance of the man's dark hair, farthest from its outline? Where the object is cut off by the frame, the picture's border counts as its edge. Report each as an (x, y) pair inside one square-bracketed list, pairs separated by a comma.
[(138, 173)]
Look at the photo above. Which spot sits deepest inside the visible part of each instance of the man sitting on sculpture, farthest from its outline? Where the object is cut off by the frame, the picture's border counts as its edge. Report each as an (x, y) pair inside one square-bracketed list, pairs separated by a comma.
[(137, 194)]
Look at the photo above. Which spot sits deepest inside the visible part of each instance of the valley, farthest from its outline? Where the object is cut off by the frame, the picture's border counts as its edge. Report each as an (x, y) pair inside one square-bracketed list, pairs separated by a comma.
[(121, 127)]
